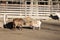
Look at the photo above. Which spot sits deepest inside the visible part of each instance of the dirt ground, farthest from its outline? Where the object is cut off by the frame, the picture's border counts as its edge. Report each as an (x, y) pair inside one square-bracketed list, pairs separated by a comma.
[(47, 32)]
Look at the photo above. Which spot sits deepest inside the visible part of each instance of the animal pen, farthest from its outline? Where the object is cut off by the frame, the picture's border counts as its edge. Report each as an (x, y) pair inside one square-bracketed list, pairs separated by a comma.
[(36, 9)]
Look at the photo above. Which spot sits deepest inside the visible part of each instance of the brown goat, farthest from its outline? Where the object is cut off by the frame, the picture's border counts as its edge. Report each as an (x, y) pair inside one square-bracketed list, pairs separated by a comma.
[(18, 22)]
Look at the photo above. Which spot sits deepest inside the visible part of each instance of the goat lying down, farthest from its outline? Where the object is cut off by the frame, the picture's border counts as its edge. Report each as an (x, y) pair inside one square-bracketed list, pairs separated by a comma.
[(54, 17), (18, 23)]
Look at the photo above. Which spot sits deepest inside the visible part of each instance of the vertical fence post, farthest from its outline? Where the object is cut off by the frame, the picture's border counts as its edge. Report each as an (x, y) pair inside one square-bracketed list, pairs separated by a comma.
[(4, 18)]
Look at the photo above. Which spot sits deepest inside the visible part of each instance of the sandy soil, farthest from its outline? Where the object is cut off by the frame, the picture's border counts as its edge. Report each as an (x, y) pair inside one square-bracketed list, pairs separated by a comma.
[(27, 34), (47, 32)]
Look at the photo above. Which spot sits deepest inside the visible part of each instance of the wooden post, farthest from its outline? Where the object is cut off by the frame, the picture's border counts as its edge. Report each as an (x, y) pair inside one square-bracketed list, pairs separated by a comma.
[(4, 18)]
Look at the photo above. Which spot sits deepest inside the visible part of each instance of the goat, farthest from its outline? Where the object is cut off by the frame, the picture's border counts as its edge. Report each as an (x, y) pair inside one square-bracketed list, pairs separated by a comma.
[(18, 23), (54, 17)]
